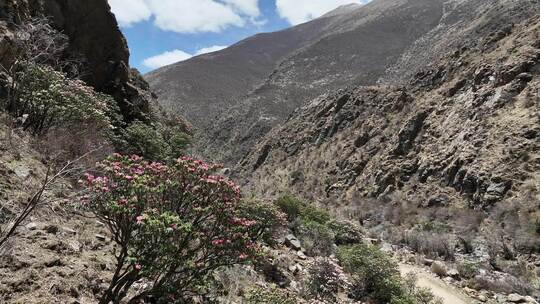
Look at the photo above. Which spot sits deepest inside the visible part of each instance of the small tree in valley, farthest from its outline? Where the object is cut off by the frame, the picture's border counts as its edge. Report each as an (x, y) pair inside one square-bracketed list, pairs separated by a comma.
[(174, 224)]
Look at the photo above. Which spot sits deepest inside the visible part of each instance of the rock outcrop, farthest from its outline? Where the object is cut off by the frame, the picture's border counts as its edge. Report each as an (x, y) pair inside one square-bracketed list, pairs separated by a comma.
[(463, 128), (93, 35)]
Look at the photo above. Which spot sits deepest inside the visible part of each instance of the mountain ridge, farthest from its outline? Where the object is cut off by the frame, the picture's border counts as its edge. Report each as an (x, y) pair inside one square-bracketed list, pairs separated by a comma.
[(367, 39)]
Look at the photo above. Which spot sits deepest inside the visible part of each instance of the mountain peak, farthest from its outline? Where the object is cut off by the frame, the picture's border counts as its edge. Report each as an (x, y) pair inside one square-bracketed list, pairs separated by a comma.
[(343, 9)]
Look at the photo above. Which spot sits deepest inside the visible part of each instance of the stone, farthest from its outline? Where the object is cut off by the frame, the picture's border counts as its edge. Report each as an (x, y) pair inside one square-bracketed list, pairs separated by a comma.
[(482, 298), (370, 241), (75, 246), (428, 262), (387, 248), (453, 273), (293, 242), (31, 226), (69, 230), (515, 298), (100, 237), (449, 280), (530, 300), (301, 255), (496, 191), (439, 268), (435, 201)]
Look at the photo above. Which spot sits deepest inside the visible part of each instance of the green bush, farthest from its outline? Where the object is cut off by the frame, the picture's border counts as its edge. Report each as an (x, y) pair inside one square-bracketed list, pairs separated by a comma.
[(346, 233), (298, 209), (269, 219), (376, 277), (175, 133), (374, 273), (178, 142), (291, 206), (142, 139), (413, 294), (316, 238), (312, 213), (467, 270), (269, 296)]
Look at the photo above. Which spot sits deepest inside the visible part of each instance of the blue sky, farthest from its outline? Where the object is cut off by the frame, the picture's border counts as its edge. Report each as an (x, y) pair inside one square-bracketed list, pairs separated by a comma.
[(161, 32)]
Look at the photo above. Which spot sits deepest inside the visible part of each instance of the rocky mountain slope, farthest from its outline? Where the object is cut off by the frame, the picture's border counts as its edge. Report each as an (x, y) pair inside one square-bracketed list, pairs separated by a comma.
[(94, 38), (352, 45), (458, 121), (450, 135)]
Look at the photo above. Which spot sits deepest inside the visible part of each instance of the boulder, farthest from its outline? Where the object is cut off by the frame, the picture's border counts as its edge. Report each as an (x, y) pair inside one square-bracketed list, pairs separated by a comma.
[(31, 226), (292, 242), (428, 262), (453, 273), (439, 268), (515, 298)]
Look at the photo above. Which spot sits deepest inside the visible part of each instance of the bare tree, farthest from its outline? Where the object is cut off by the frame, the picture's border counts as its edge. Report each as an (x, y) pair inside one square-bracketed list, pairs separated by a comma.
[(37, 199), (37, 41)]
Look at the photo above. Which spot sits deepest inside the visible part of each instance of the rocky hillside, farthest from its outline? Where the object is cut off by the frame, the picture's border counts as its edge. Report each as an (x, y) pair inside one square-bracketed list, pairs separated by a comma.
[(352, 45), (453, 126), (94, 38)]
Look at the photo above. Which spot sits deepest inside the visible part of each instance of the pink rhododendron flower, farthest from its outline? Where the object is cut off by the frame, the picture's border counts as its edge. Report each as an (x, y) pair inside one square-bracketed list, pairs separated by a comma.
[(218, 242)]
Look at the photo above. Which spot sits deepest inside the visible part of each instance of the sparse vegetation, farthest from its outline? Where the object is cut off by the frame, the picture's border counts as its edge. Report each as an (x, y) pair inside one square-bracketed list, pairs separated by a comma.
[(374, 274), (376, 277), (318, 239), (272, 296)]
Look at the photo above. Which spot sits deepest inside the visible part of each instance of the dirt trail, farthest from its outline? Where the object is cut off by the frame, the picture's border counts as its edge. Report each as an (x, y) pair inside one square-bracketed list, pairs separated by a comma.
[(447, 293)]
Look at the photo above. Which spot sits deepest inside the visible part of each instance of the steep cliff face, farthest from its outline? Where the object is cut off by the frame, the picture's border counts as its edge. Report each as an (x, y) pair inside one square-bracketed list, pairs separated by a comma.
[(463, 129), (93, 35)]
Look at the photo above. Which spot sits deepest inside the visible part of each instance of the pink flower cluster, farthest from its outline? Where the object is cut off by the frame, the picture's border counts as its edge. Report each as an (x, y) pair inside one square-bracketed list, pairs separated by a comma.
[(243, 222)]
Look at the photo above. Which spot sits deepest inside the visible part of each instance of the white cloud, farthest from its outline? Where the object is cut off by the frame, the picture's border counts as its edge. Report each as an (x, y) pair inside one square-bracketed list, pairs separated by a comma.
[(187, 16), (175, 56), (300, 11), (210, 49), (129, 12), (247, 7), (166, 58)]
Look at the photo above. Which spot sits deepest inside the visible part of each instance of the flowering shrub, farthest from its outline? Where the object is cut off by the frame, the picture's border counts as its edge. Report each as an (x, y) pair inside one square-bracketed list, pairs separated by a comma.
[(326, 279), (174, 224), (47, 98)]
